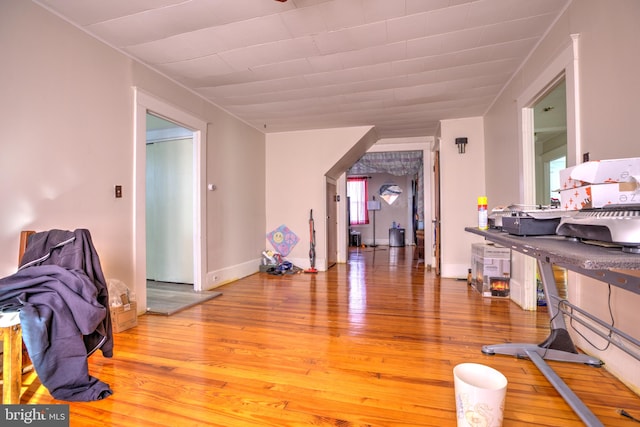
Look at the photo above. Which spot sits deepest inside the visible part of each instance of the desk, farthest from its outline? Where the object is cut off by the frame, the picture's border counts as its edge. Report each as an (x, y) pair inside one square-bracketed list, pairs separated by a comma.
[(609, 265), (11, 335)]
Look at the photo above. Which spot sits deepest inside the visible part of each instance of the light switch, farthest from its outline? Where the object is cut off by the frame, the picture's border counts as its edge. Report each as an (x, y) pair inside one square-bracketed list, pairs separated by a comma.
[(118, 191)]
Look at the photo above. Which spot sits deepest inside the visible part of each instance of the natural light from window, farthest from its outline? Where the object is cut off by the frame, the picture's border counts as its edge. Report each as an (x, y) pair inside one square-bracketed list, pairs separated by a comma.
[(554, 174), (357, 194)]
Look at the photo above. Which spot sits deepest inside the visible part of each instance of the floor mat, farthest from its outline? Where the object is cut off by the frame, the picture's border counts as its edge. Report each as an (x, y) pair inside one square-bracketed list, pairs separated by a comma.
[(168, 298)]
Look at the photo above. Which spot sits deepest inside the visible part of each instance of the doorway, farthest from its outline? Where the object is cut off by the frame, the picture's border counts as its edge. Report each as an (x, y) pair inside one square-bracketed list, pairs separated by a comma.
[(144, 104), (404, 161), (563, 69), (436, 211), (169, 202), (332, 223), (550, 143)]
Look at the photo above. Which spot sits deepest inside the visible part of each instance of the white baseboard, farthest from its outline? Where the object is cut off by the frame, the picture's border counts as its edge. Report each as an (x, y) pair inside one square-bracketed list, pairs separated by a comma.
[(232, 273)]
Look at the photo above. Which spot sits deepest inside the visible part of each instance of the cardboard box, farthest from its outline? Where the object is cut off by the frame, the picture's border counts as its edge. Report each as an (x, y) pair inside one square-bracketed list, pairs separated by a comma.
[(566, 182), (124, 317), (487, 262), (608, 171), (600, 195), (488, 250)]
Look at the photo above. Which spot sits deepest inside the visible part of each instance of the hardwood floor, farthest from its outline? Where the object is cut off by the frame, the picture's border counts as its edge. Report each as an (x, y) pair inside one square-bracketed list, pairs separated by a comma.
[(369, 343)]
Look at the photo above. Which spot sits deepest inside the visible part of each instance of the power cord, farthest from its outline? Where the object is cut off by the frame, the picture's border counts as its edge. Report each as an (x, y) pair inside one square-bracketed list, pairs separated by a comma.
[(613, 322), (627, 415)]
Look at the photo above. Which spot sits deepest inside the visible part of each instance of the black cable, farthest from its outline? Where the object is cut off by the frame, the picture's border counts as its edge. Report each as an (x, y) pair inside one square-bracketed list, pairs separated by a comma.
[(627, 415), (610, 330), (571, 316)]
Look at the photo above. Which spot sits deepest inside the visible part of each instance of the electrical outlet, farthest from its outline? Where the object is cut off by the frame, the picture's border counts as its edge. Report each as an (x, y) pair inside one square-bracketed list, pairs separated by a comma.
[(118, 191)]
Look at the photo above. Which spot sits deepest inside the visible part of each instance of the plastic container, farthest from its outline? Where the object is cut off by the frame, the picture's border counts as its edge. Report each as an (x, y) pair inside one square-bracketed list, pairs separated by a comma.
[(119, 293), (483, 220)]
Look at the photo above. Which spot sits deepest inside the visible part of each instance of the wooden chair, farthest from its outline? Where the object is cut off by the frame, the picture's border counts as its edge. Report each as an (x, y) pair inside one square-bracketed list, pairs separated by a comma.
[(14, 356)]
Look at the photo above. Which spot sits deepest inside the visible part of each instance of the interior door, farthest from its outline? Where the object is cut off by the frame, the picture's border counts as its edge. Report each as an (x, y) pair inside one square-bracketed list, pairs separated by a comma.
[(332, 224), (436, 220)]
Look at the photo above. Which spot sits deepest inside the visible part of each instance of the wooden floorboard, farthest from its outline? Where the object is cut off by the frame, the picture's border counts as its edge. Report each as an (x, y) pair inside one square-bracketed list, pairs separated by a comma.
[(368, 343)]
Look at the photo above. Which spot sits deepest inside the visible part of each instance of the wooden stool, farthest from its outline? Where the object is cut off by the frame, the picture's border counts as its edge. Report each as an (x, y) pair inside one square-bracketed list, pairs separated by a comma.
[(13, 350), (11, 335)]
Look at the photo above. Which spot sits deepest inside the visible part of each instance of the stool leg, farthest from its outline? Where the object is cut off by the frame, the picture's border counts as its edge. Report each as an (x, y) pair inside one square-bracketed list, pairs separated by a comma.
[(12, 364)]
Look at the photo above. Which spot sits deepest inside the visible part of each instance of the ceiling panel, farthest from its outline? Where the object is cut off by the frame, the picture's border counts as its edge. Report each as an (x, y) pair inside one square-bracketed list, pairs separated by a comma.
[(304, 22), (269, 53), (92, 11), (398, 65)]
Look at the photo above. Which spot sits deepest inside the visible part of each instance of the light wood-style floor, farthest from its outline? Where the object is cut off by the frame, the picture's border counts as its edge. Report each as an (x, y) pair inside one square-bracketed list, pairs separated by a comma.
[(369, 343)]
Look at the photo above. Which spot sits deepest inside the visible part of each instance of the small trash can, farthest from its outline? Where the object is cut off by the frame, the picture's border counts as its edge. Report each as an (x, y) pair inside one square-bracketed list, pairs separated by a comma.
[(356, 239), (396, 237)]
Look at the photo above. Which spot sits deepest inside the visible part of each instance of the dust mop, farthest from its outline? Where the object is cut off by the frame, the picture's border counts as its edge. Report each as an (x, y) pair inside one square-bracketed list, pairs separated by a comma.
[(312, 244)]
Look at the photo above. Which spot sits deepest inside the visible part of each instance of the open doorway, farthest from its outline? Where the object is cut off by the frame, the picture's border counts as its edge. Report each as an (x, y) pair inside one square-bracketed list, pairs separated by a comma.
[(332, 222), (169, 203), (562, 70), (550, 139), (393, 182), (196, 242)]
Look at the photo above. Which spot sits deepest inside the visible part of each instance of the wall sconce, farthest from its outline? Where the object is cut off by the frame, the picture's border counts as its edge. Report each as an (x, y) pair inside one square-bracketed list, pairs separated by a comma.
[(462, 144)]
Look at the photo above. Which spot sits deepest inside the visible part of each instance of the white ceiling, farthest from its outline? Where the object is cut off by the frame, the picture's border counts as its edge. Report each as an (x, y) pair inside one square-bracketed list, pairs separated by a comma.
[(400, 65)]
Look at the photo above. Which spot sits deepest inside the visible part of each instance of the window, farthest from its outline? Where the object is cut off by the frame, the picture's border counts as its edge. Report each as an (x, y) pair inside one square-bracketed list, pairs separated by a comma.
[(555, 166), (357, 194)]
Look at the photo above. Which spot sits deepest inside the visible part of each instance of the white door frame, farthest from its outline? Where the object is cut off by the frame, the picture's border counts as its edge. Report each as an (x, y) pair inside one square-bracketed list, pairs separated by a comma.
[(424, 144), (144, 102), (566, 65)]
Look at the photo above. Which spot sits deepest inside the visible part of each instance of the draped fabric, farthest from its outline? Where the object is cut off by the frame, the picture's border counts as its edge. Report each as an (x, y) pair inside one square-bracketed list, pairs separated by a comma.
[(397, 163), (358, 193)]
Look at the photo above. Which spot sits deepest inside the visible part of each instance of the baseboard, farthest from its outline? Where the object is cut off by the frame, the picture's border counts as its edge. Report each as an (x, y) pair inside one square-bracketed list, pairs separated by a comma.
[(232, 273)]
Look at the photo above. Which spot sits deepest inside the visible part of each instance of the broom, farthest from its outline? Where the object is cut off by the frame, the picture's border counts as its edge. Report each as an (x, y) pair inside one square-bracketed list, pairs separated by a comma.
[(312, 245)]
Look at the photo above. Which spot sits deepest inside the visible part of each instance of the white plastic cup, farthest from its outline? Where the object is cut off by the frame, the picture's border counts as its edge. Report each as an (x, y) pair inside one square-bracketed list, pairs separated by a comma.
[(480, 395)]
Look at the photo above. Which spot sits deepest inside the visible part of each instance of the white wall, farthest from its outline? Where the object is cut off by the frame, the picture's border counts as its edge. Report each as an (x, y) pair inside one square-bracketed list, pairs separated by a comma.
[(66, 114), (461, 183), (608, 94), (296, 164)]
